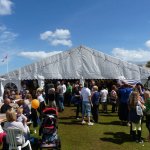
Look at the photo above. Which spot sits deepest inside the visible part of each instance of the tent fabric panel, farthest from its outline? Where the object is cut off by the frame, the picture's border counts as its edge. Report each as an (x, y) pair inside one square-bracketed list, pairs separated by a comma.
[(78, 63), (145, 73), (62, 66)]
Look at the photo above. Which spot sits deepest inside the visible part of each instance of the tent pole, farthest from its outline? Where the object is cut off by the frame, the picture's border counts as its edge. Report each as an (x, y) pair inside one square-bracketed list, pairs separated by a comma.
[(82, 81)]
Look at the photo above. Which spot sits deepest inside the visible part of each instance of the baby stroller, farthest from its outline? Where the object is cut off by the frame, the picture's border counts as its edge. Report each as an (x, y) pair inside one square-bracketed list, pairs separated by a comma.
[(48, 130)]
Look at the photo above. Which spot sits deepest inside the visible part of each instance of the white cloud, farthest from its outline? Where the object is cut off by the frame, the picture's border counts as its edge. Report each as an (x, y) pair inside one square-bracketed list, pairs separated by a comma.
[(58, 37), (2, 28), (147, 43), (5, 7), (61, 42), (38, 54), (131, 55), (46, 35), (6, 36)]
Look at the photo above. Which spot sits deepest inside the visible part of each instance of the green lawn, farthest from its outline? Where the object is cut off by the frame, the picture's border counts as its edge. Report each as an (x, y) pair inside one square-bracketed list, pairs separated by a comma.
[(107, 135)]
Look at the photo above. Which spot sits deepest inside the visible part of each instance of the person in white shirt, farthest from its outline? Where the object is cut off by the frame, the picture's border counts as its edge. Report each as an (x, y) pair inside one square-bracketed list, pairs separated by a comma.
[(86, 103), (41, 100), (12, 123), (63, 86), (103, 95)]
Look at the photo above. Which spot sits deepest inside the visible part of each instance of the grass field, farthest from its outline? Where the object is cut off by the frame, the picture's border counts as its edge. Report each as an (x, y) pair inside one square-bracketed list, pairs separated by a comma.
[(108, 134)]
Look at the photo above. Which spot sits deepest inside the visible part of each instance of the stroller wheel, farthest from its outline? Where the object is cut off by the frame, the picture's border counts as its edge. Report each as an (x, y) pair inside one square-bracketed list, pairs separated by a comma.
[(58, 144)]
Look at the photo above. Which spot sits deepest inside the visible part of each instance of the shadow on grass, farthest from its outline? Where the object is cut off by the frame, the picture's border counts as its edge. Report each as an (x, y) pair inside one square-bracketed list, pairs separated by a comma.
[(108, 114), (117, 137), (110, 123), (72, 122), (66, 118)]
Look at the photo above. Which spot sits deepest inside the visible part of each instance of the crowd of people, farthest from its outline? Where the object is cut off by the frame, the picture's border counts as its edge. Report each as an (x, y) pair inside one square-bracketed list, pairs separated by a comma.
[(131, 102)]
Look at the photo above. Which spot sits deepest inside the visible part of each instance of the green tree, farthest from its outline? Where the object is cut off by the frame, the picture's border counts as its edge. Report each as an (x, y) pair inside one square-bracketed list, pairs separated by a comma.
[(148, 64)]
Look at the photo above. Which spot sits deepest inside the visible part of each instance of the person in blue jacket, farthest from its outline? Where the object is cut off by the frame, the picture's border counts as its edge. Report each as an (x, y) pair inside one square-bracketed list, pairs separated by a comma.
[(123, 98)]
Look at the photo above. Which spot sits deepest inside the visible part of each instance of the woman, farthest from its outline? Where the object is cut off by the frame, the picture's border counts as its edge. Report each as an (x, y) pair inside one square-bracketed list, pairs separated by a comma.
[(113, 98), (11, 122), (95, 102), (135, 116), (28, 100), (41, 100), (77, 100), (140, 89), (51, 97)]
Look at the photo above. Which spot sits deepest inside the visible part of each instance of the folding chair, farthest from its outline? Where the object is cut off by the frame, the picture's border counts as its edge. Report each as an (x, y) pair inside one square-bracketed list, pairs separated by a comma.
[(12, 134)]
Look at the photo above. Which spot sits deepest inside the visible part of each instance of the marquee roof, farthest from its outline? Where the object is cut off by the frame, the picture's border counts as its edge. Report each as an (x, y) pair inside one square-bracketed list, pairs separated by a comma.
[(78, 63)]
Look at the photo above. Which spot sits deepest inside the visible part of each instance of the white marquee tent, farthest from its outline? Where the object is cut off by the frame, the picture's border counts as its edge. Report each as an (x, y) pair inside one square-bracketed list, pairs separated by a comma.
[(79, 63)]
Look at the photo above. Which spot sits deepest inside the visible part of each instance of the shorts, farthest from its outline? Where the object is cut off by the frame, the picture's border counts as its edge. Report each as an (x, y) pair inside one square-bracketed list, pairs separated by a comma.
[(86, 108)]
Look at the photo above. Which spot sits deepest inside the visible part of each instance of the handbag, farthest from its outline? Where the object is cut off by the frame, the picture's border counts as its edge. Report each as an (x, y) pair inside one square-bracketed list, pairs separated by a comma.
[(139, 110)]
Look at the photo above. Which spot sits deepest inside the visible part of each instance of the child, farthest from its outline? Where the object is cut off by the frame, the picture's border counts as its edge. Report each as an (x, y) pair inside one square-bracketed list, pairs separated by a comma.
[(135, 117), (22, 118), (26, 111)]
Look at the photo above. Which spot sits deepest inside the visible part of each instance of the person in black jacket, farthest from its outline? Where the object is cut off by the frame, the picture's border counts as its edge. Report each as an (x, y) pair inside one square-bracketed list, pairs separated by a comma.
[(5, 106), (95, 102)]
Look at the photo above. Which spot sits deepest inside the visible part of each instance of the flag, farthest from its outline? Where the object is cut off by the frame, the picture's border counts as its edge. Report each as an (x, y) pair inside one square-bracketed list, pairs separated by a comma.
[(1, 91), (5, 57)]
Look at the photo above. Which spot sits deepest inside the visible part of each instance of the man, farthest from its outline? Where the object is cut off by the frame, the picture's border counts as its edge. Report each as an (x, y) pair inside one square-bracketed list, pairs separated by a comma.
[(6, 106), (103, 95), (63, 86), (60, 97), (86, 103), (123, 94), (69, 93), (64, 90)]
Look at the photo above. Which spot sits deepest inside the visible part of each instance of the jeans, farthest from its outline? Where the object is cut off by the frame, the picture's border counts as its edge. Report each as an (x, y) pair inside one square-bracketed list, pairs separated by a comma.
[(95, 112), (61, 102), (79, 106), (86, 108)]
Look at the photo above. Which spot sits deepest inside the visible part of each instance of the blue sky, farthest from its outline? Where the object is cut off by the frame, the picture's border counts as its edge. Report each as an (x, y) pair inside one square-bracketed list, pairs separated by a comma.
[(33, 29)]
